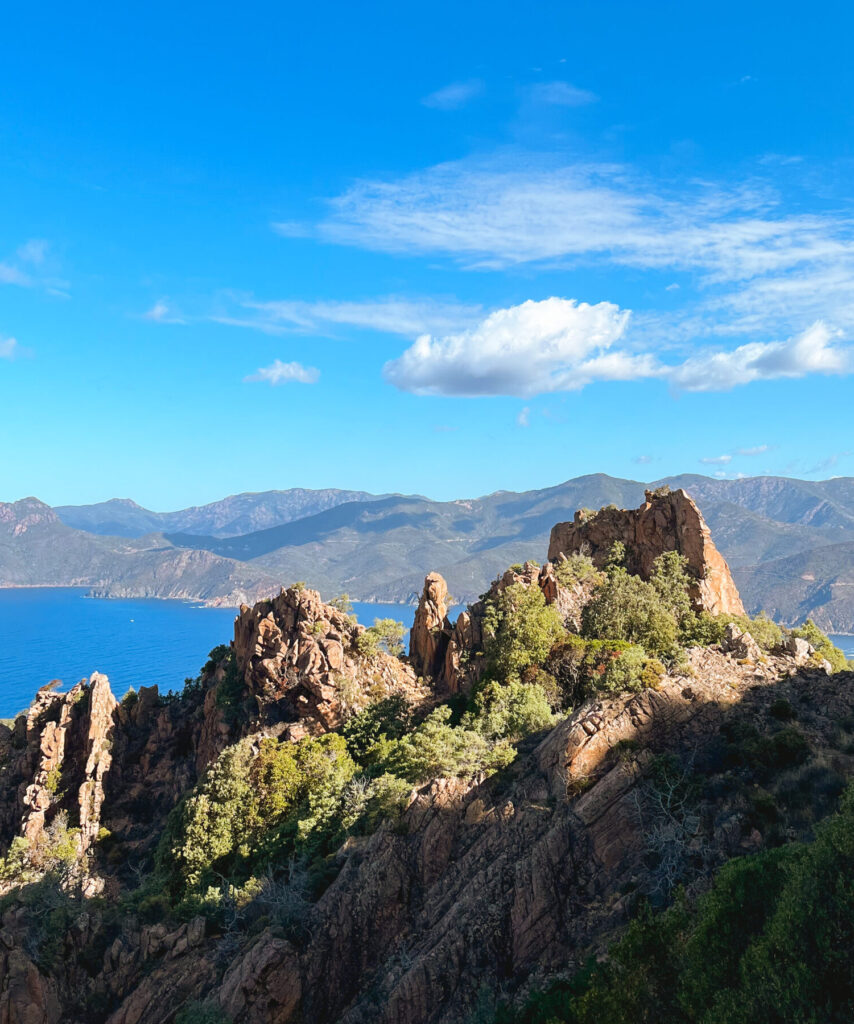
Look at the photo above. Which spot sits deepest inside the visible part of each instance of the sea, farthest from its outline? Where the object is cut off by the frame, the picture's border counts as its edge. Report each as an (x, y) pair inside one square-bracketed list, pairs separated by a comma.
[(49, 633)]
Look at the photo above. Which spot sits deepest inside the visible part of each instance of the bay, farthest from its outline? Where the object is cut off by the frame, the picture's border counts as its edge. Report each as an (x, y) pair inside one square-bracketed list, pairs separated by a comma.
[(58, 633)]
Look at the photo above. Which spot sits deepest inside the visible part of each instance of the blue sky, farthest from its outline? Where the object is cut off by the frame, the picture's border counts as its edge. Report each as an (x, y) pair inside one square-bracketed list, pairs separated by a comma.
[(442, 249)]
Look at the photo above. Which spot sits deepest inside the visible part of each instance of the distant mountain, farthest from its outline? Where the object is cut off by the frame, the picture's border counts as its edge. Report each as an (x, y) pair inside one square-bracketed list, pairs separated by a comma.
[(790, 543), (237, 514), (37, 549), (382, 549)]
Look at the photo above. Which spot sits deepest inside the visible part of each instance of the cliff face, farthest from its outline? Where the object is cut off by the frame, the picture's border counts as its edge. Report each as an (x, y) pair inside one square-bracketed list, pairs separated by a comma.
[(667, 521)]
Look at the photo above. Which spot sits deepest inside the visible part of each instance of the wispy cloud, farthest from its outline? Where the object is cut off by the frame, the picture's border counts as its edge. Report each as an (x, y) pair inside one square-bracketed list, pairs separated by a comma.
[(292, 229), (454, 95), (523, 419), (162, 313), (716, 460), (284, 373), (389, 315), (830, 462), (561, 94), (642, 460), (759, 449), (28, 268), (14, 275), (9, 348), (756, 267), (34, 251)]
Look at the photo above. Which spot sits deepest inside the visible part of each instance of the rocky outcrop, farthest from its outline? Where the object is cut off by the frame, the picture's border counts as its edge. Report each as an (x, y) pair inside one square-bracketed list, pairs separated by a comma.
[(464, 648), (431, 628), (301, 664), (667, 521)]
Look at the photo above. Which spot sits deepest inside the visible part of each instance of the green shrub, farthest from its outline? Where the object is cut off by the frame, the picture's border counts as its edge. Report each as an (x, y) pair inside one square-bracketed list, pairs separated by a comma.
[(671, 581), (578, 568), (54, 777), (584, 668), (509, 712), (231, 689), (629, 609), (254, 807), (436, 749), (201, 1013), (810, 632), (387, 719), (519, 630), (703, 630), (342, 603), (385, 635), (770, 941)]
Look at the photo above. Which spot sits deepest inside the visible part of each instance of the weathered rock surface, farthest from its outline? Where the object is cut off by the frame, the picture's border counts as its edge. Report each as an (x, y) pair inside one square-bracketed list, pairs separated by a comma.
[(667, 521), (431, 628), (299, 659), (489, 885)]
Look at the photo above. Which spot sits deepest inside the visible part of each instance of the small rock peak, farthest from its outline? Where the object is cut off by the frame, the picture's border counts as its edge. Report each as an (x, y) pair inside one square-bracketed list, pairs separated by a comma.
[(301, 663), (667, 521), (431, 629)]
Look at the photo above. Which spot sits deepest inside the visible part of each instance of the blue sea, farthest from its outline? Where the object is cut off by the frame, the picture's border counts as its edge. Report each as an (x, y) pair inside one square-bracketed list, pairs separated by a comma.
[(59, 633)]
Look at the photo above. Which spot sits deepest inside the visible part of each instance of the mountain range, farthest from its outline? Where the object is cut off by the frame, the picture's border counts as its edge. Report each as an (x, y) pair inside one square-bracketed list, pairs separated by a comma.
[(790, 543)]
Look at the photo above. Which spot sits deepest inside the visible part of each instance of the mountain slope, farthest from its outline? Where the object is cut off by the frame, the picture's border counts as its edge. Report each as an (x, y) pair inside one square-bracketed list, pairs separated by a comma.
[(37, 549), (236, 514), (380, 547)]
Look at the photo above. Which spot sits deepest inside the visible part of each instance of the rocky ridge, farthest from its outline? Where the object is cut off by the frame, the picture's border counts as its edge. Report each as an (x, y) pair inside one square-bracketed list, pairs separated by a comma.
[(485, 884)]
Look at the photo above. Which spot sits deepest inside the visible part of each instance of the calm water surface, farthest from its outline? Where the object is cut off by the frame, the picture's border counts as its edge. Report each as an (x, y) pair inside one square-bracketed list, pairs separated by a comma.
[(49, 633)]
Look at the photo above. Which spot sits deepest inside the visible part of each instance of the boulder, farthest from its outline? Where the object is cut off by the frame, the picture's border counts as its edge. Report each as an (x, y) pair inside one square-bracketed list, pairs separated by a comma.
[(740, 644)]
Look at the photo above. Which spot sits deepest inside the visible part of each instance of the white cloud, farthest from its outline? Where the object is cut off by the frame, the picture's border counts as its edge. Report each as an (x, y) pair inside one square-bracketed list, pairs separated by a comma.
[(563, 345), (454, 95), (642, 460), (717, 460), (536, 347), (759, 449), (162, 313), (561, 94), (285, 373), (9, 348), (811, 351), (524, 417)]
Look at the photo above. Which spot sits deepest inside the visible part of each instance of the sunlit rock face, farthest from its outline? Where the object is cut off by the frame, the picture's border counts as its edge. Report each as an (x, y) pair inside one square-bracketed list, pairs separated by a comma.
[(667, 521)]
